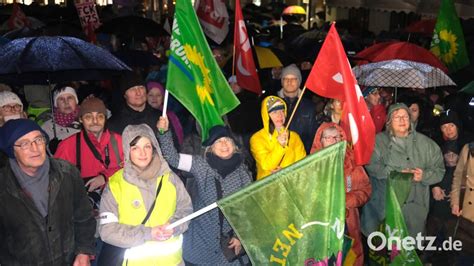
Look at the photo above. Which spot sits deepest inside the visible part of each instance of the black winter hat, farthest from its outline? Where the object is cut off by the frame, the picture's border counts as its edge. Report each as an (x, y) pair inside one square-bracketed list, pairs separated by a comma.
[(450, 117), (130, 80), (217, 132)]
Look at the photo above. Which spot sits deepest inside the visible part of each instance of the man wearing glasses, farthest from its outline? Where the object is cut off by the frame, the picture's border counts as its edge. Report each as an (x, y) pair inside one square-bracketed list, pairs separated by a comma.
[(304, 120), (45, 216), (95, 151)]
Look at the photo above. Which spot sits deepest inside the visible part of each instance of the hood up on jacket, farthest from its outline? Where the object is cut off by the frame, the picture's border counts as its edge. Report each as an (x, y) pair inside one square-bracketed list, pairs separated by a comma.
[(129, 134), (349, 163), (266, 103)]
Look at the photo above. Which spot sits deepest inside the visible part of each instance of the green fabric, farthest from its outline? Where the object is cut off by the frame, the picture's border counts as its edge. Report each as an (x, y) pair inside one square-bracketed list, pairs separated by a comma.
[(268, 216), (448, 38), (194, 77), (395, 223), (469, 88), (402, 183)]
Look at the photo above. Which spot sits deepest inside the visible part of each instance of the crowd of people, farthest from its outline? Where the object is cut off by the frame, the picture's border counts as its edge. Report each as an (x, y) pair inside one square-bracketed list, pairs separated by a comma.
[(102, 175)]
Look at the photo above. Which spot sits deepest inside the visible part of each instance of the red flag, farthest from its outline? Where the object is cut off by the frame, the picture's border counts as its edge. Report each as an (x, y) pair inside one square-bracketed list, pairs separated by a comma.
[(18, 19), (245, 69), (332, 77), (214, 18)]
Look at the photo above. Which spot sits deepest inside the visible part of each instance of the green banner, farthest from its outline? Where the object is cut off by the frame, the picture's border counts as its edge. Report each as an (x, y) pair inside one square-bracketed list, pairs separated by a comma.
[(194, 78), (295, 216), (395, 223), (448, 38)]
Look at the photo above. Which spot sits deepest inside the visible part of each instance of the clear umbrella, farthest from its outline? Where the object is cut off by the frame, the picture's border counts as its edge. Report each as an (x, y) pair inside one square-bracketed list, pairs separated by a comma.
[(401, 74)]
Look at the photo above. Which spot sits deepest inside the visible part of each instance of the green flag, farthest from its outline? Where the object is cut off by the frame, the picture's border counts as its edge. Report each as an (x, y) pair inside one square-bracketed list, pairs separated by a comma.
[(448, 39), (295, 216), (194, 77), (395, 223)]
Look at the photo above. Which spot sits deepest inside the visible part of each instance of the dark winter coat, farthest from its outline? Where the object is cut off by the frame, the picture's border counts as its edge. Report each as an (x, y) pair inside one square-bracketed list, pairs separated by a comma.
[(29, 239), (304, 121), (201, 244), (127, 116)]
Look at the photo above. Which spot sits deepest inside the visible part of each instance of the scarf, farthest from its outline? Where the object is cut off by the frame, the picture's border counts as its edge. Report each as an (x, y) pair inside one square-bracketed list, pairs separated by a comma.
[(224, 166), (65, 120), (36, 187), (152, 169)]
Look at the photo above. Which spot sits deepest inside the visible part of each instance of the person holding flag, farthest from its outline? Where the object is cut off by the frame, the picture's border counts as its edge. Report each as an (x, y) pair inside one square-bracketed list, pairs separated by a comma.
[(357, 184), (220, 172), (274, 146), (401, 148)]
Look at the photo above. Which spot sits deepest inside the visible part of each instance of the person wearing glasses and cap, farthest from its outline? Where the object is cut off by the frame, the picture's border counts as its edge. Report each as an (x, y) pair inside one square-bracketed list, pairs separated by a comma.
[(403, 149), (45, 215), (274, 147)]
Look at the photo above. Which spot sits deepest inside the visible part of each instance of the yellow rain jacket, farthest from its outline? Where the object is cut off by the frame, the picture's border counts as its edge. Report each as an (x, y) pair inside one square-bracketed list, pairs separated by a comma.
[(268, 153)]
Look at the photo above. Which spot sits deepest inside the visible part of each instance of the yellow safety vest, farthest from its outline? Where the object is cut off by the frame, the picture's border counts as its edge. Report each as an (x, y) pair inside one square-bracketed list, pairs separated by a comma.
[(131, 211)]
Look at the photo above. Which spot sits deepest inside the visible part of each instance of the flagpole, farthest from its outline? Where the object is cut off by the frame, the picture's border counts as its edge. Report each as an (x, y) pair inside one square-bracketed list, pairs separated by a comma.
[(165, 103), (192, 216), (294, 109), (233, 58)]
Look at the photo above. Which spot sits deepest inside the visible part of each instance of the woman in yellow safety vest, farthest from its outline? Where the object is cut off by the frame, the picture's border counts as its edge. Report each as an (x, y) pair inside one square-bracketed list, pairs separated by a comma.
[(146, 181)]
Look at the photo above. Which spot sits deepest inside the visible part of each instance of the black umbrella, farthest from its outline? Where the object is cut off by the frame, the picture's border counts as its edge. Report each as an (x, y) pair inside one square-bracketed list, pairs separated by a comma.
[(136, 58), (43, 60), (133, 27)]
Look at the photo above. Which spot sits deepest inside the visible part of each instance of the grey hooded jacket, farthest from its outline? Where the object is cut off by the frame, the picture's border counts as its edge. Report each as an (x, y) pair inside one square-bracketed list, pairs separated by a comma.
[(127, 236)]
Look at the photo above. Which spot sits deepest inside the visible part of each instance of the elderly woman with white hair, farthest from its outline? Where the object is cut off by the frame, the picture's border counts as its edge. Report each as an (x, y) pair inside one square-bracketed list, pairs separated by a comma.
[(66, 115), (403, 149)]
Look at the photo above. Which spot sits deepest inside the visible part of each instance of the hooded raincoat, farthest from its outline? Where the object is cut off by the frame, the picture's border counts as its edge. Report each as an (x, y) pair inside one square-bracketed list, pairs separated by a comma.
[(358, 189), (267, 151), (396, 154), (128, 236)]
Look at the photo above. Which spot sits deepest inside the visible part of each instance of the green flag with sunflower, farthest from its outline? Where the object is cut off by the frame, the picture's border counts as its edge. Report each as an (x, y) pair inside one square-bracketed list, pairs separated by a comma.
[(194, 78), (448, 38)]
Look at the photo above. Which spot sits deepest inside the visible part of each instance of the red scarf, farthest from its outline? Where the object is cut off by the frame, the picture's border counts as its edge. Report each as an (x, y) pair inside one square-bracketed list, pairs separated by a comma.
[(65, 120)]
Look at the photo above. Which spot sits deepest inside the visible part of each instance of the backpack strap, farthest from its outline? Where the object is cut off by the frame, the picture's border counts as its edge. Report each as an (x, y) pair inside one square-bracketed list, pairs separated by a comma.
[(113, 141), (78, 151)]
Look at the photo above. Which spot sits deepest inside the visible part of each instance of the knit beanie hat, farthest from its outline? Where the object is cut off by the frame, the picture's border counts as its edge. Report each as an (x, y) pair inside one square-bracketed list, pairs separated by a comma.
[(217, 132), (291, 70), (92, 104), (12, 130), (8, 97), (396, 106), (62, 91), (130, 80), (450, 117), (368, 90), (155, 85)]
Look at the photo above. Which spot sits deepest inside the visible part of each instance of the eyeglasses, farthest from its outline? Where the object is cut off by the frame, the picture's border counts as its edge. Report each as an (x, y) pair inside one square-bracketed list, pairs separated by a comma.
[(89, 117), (329, 138), (400, 118), (10, 108), (27, 144), (290, 79)]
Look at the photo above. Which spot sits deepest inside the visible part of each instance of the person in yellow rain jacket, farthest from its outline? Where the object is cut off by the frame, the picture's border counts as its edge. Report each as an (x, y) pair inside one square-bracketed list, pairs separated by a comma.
[(273, 147), (129, 196)]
